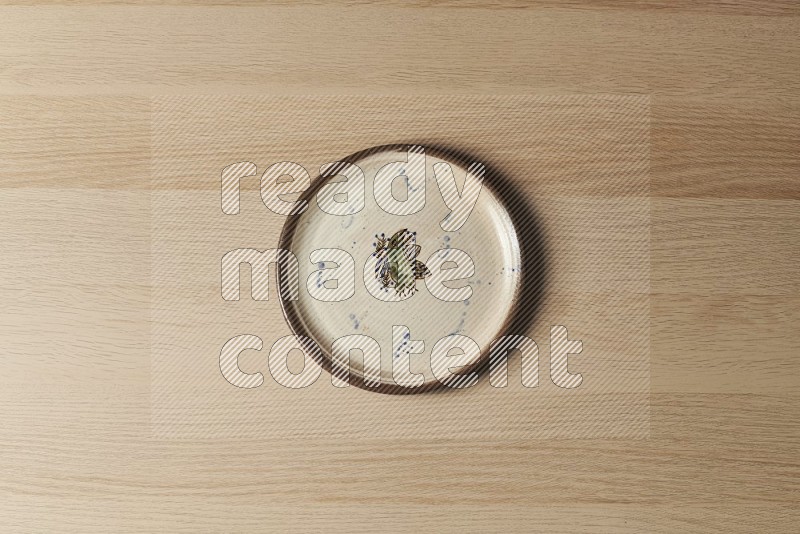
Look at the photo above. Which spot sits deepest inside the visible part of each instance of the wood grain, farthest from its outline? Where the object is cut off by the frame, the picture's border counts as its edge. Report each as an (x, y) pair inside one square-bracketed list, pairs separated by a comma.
[(124, 49), (77, 451)]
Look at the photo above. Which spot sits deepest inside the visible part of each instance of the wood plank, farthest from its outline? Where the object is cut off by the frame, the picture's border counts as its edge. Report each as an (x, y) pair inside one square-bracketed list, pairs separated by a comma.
[(75, 142), (725, 148), (712, 246), (731, 449), (724, 343), (448, 51), (700, 148), (717, 7)]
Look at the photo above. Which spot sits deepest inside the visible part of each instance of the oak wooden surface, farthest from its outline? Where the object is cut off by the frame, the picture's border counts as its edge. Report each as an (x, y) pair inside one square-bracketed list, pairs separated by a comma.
[(77, 451)]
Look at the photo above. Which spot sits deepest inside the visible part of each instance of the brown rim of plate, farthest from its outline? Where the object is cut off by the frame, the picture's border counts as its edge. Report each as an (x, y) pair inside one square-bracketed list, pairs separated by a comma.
[(322, 356)]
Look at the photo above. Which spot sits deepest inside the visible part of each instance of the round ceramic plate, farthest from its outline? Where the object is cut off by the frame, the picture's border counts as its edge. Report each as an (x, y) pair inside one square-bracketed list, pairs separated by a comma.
[(422, 269)]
